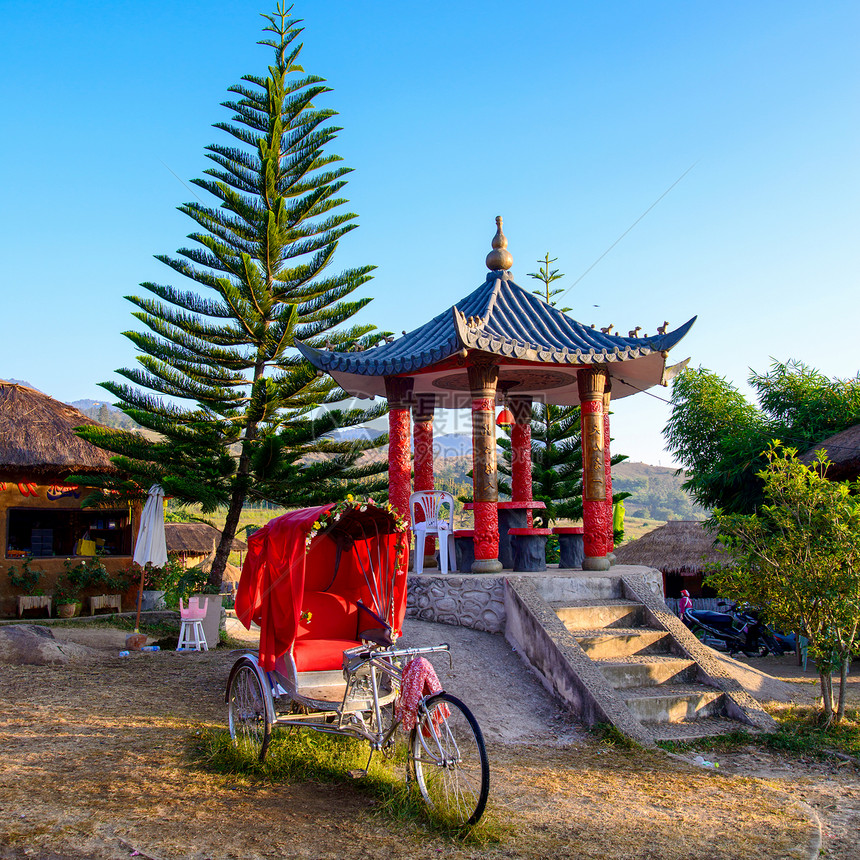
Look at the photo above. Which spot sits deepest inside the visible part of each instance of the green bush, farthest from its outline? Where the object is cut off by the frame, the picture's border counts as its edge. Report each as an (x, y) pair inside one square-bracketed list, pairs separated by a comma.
[(25, 577)]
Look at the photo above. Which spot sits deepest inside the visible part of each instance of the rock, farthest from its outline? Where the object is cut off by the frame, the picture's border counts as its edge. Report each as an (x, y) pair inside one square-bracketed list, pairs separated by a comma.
[(135, 641), (31, 645)]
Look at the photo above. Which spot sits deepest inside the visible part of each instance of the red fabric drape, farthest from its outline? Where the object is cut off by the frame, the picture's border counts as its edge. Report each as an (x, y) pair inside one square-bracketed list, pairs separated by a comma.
[(273, 581)]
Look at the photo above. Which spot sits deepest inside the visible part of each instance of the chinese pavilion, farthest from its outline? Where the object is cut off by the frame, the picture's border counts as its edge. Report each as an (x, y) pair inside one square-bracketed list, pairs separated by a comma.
[(502, 344)]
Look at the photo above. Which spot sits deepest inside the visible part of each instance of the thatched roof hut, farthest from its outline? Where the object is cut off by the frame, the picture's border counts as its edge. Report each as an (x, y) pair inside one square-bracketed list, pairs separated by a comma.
[(843, 450), (195, 539), (37, 438), (680, 547), (231, 572)]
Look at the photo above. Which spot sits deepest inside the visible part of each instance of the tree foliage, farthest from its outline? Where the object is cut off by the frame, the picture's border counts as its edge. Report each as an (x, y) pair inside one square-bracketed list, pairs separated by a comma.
[(231, 405), (720, 438), (548, 276), (798, 559)]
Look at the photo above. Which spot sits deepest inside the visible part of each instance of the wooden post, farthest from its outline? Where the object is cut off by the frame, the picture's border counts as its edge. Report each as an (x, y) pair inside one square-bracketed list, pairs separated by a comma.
[(398, 391), (422, 435), (592, 383), (483, 377), (607, 461)]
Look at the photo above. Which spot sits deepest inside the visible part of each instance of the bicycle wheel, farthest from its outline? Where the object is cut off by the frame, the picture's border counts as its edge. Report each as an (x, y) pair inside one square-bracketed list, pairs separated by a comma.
[(449, 760), (250, 727)]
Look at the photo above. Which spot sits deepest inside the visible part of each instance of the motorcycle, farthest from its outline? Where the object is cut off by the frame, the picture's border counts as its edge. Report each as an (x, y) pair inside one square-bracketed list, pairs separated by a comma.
[(739, 629)]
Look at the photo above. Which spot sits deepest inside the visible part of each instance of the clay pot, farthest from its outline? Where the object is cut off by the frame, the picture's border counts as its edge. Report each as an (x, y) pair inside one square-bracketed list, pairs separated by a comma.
[(68, 610)]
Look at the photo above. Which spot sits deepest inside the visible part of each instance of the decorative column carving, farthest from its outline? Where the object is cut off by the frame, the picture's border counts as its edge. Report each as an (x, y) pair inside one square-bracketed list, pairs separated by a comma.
[(398, 391), (592, 383), (422, 435), (521, 452), (607, 464), (483, 377)]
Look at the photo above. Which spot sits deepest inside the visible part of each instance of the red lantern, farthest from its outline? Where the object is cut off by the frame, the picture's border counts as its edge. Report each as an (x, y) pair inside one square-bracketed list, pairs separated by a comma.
[(506, 418)]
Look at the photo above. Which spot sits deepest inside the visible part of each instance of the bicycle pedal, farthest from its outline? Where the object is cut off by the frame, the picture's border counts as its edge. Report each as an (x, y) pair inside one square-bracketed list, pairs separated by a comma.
[(359, 773)]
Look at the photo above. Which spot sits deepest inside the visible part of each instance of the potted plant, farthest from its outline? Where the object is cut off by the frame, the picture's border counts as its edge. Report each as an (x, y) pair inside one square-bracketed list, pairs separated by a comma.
[(66, 597), (27, 580), (157, 582), (91, 574)]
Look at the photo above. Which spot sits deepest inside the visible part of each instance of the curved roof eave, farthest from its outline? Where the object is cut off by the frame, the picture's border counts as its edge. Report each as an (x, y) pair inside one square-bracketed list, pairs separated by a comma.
[(500, 318)]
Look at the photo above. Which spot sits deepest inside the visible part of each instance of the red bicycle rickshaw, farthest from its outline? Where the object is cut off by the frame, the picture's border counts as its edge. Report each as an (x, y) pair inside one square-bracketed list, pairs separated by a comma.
[(327, 587)]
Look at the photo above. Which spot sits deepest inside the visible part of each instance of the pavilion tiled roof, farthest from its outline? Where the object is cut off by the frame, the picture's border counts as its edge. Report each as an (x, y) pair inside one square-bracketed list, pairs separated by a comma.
[(502, 318)]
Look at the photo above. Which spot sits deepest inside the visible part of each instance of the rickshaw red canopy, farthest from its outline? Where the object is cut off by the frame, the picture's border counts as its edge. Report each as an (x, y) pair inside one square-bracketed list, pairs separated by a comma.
[(309, 574)]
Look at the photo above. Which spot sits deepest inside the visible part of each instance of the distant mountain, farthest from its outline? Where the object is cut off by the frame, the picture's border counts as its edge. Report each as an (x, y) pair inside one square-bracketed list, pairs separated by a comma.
[(656, 492), (452, 445), (24, 383), (92, 404), (105, 414), (345, 434)]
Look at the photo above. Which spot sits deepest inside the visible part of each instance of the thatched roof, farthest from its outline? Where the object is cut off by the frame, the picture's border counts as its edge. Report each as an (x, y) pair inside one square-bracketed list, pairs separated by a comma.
[(682, 546), (231, 572), (195, 538), (37, 438), (844, 450)]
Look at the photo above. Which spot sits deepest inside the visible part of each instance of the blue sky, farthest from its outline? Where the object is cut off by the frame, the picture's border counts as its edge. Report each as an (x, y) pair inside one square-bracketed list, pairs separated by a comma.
[(569, 119)]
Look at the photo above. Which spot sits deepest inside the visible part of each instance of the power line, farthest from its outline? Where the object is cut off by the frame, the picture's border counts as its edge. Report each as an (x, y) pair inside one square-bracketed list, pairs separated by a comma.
[(809, 445), (629, 228)]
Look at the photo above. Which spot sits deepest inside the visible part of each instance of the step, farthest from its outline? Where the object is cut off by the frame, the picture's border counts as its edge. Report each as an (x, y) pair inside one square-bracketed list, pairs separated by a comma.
[(555, 587), (648, 671), (590, 615), (621, 642), (673, 703), (693, 730)]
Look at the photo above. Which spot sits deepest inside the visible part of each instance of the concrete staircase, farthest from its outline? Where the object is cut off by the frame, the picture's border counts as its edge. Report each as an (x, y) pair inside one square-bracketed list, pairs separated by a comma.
[(655, 679), (613, 651)]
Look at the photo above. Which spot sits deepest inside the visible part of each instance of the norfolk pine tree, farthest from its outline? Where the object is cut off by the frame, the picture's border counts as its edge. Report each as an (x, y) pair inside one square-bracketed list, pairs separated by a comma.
[(233, 404)]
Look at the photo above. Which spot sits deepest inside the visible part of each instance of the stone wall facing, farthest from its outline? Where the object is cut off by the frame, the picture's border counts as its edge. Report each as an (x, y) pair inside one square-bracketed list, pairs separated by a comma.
[(476, 601)]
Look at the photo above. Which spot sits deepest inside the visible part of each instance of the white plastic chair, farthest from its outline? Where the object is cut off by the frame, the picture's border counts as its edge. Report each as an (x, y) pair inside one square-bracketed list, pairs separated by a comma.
[(191, 634), (431, 504)]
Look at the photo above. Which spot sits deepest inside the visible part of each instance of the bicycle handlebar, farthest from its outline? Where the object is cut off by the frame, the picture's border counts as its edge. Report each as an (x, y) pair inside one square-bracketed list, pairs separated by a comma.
[(404, 652)]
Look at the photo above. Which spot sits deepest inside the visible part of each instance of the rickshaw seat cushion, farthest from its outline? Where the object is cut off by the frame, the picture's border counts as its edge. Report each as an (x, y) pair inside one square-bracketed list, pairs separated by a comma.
[(327, 616), (320, 655)]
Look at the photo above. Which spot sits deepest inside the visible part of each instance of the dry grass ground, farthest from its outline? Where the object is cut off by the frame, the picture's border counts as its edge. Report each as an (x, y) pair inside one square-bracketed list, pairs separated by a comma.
[(96, 763)]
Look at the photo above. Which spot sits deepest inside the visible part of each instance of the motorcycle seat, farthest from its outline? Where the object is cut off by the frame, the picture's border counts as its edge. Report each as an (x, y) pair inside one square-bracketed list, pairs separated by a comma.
[(706, 616)]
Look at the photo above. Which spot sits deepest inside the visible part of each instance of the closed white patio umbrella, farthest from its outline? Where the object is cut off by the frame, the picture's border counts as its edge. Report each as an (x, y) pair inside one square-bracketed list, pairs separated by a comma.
[(150, 547)]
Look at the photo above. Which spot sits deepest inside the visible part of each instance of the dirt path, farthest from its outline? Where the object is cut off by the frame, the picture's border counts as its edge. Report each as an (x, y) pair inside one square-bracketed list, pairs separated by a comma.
[(95, 765)]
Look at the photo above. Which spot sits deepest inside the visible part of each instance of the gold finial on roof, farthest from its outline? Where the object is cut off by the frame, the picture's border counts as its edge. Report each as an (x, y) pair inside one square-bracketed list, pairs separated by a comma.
[(499, 257)]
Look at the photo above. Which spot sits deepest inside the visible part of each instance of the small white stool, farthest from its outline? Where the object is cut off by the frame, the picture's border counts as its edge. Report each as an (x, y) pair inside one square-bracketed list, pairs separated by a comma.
[(191, 635)]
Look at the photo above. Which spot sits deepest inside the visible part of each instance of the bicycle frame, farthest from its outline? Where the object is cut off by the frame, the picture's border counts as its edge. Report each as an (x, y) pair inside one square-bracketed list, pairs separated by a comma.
[(362, 698)]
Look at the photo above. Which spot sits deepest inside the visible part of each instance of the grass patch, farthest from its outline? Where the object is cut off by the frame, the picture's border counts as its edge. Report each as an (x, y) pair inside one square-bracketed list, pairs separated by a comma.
[(610, 736), (306, 756), (115, 621), (800, 732), (728, 742), (156, 629)]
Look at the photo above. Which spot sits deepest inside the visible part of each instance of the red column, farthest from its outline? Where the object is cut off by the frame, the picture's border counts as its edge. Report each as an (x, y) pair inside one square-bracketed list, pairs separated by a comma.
[(607, 465), (521, 451), (398, 390), (422, 435), (483, 377), (591, 383)]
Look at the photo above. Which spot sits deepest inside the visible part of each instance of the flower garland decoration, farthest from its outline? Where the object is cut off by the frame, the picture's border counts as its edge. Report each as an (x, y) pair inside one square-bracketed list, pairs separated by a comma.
[(330, 517)]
